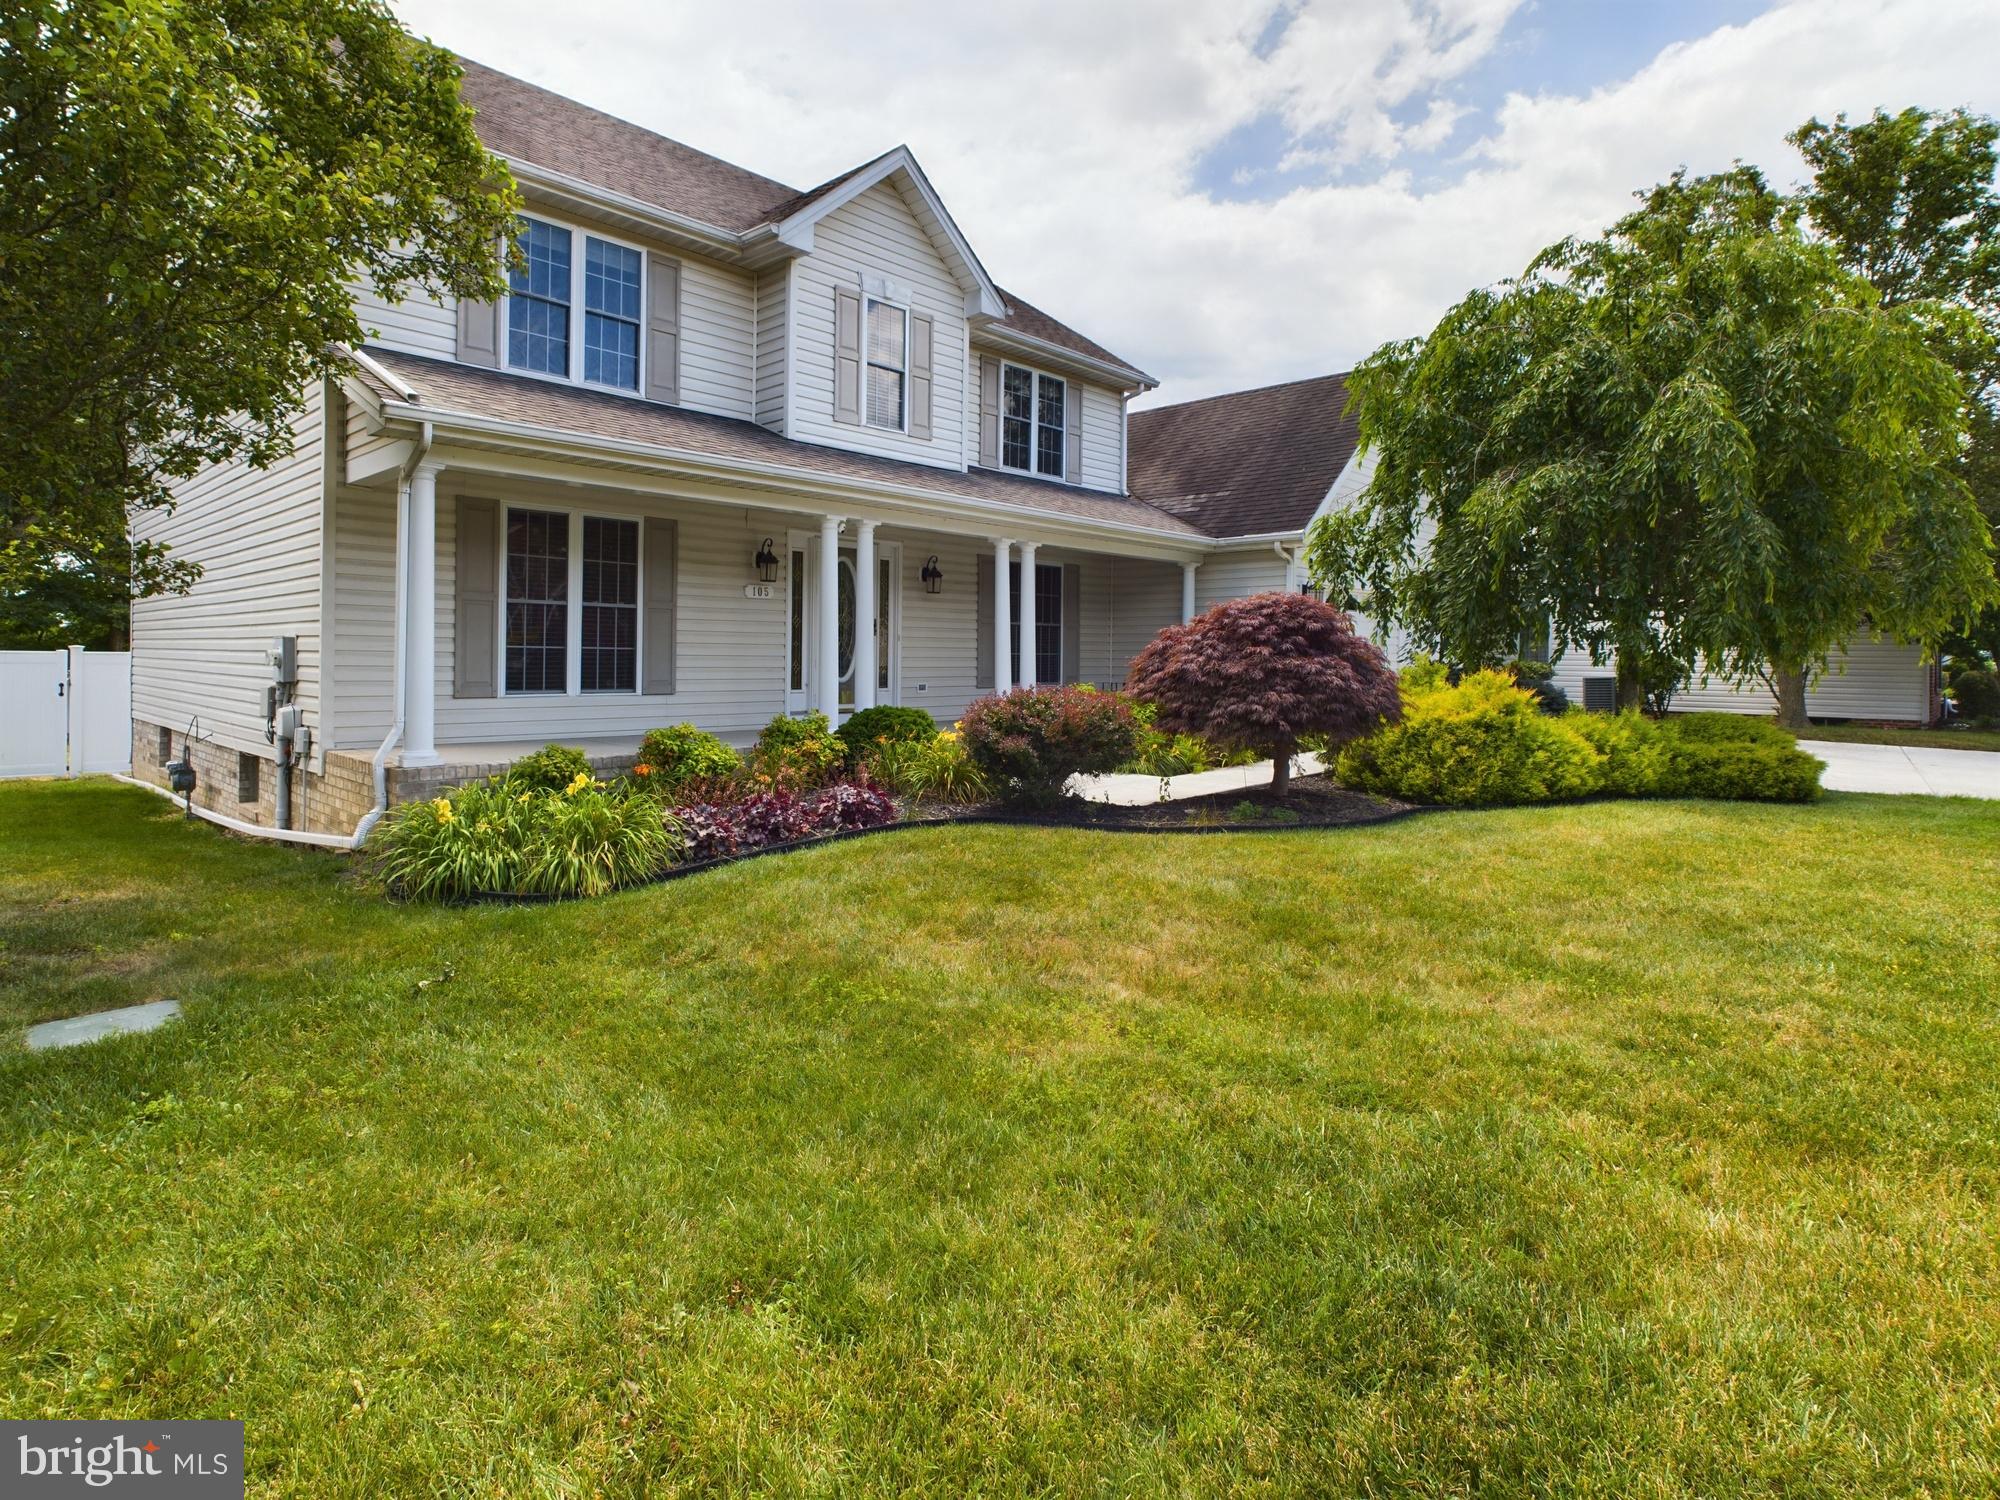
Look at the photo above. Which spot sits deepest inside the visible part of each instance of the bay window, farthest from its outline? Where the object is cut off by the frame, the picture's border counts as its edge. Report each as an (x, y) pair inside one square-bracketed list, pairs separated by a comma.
[(1032, 416)]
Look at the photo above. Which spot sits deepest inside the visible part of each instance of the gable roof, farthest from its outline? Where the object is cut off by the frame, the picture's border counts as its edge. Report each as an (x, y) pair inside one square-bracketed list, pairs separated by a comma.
[(1250, 463), (443, 389), (530, 124)]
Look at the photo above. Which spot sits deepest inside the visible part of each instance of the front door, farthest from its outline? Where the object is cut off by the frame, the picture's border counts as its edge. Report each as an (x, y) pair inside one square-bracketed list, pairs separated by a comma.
[(802, 626)]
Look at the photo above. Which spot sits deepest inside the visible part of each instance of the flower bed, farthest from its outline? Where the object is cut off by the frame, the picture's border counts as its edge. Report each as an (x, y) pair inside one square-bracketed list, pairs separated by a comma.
[(763, 819)]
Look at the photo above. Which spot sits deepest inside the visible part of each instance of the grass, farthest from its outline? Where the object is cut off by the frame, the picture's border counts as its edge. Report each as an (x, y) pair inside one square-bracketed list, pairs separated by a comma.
[(1933, 739), (1622, 1149)]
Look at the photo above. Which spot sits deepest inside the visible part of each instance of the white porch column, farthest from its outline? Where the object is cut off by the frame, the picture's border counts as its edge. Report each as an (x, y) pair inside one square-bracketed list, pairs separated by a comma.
[(420, 659), (865, 665), (1003, 665), (829, 618), (1027, 621), (1187, 591)]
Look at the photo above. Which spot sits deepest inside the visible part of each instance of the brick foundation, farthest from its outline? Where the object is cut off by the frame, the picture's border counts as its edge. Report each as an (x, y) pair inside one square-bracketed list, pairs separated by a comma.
[(332, 801)]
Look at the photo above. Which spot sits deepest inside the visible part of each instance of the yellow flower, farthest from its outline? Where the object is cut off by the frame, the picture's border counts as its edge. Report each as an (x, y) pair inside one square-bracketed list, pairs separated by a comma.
[(577, 783), (950, 734), (442, 807), (525, 797)]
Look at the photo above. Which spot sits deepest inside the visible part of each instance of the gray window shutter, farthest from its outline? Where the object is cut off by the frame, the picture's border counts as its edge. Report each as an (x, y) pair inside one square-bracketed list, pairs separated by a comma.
[(1073, 432), (920, 377), (476, 601), (982, 632), (847, 356), (479, 333), (1072, 623), (663, 328), (661, 586), (989, 412)]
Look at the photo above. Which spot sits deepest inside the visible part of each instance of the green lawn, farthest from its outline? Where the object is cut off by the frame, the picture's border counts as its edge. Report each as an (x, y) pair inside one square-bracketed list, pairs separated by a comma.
[(1624, 1149), (1935, 739)]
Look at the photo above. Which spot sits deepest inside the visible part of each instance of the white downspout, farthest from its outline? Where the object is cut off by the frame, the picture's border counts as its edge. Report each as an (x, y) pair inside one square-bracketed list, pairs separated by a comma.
[(418, 451)]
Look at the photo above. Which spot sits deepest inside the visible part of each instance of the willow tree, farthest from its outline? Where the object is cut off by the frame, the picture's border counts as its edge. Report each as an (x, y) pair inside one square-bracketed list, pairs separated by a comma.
[(1697, 437)]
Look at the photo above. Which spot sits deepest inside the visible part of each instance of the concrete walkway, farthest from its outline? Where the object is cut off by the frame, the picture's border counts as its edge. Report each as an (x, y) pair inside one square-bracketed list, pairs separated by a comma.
[(1910, 770), (1143, 791)]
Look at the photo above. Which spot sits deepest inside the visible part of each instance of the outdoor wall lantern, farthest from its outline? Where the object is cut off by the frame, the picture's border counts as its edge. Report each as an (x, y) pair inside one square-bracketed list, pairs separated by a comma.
[(932, 575), (767, 563)]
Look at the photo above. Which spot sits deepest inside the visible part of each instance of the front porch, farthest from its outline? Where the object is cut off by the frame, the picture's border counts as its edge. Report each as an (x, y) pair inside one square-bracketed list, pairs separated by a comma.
[(572, 605)]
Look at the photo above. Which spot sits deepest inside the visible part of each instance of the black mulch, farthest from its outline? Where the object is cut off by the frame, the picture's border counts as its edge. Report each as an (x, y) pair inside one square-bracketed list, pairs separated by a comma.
[(1309, 802)]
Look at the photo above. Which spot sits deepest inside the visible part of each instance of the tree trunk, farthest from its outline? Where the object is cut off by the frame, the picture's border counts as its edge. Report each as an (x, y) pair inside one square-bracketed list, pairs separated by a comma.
[(1631, 687), (1281, 773), (1789, 683)]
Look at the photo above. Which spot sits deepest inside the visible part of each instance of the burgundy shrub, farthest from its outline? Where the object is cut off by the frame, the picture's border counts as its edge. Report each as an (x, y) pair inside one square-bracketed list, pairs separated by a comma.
[(1263, 673), (712, 830), (1033, 739)]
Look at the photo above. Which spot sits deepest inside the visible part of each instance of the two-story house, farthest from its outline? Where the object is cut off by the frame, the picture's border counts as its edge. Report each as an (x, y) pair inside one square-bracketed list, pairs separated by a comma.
[(725, 450)]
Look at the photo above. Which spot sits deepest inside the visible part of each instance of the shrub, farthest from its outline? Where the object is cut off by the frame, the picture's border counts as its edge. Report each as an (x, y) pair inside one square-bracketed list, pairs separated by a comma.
[(501, 837), (1158, 753), (932, 770), (1030, 741), (549, 769), (1634, 748), (1727, 729), (886, 721), (1262, 672), (797, 754), (1977, 694), (670, 759), (1479, 744), (780, 816), (1740, 770)]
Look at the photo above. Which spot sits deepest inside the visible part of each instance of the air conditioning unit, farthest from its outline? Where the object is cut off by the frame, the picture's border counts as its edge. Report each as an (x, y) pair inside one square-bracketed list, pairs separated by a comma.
[(1600, 694)]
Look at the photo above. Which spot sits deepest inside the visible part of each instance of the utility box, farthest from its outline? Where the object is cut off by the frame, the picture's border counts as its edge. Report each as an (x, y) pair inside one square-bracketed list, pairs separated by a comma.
[(284, 658)]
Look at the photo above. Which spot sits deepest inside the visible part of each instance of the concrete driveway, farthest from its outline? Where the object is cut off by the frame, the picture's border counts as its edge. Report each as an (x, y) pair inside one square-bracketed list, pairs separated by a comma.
[(1907, 769)]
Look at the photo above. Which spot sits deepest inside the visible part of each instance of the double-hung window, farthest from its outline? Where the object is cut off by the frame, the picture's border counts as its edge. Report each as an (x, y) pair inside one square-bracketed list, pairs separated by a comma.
[(607, 281), (552, 557), (1032, 414), (888, 364)]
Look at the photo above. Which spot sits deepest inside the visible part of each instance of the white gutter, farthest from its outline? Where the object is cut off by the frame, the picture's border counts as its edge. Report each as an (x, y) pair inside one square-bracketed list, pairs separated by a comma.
[(1123, 376)]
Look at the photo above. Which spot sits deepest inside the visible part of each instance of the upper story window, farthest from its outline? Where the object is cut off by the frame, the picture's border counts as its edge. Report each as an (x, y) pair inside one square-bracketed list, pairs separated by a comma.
[(606, 281), (1031, 421), (888, 364)]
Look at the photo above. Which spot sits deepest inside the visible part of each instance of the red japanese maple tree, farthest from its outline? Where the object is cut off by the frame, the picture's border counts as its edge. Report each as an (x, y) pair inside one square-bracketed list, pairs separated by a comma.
[(1264, 672)]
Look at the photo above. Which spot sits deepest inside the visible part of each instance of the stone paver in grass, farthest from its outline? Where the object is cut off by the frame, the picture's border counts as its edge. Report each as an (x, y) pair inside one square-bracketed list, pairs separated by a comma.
[(74, 1031)]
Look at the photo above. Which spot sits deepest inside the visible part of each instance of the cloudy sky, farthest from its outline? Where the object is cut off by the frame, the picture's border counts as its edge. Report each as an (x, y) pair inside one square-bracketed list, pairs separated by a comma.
[(1235, 192)]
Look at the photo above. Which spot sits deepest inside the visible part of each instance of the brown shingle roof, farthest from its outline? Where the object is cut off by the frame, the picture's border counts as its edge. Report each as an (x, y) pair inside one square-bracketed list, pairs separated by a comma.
[(1025, 318), (444, 387), (517, 119), (1248, 463)]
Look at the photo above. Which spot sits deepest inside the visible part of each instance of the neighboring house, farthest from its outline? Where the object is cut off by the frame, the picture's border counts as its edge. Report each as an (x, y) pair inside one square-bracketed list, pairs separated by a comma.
[(726, 451), (1258, 467)]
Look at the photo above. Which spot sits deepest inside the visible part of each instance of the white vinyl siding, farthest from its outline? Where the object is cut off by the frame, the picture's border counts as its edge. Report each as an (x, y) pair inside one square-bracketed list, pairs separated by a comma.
[(1103, 438), (1882, 680), (417, 326), (1233, 575), (876, 235), (256, 535), (1146, 601), (772, 306), (718, 332)]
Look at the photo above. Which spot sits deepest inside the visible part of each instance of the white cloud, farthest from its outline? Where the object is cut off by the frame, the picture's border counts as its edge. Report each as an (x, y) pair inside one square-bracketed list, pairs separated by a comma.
[(1063, 137)]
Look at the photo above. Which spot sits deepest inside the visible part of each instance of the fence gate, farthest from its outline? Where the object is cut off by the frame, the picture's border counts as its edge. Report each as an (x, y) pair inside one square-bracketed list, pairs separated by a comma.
[(65, 713)]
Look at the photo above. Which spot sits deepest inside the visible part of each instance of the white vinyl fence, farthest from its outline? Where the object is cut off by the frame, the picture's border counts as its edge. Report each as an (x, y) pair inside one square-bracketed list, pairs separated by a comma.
[(65, 713)]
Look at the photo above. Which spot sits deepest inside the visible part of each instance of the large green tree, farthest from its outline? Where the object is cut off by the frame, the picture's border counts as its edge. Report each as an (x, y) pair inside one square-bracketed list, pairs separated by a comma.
[(1912, 203), (1696, 437), (186, 192)]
